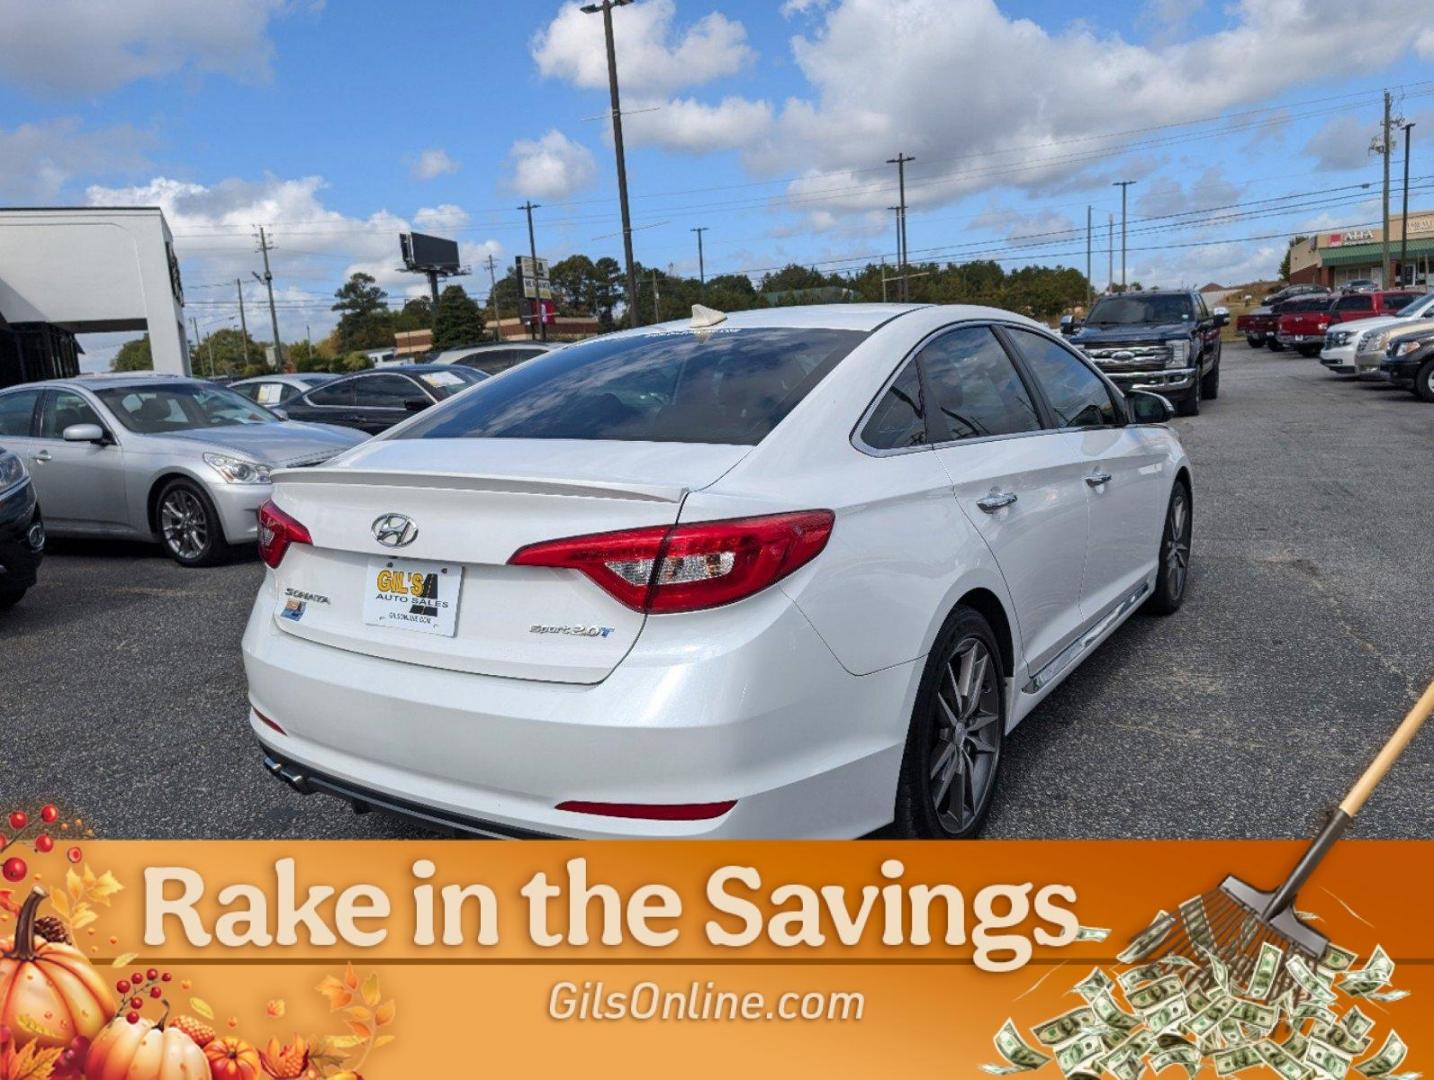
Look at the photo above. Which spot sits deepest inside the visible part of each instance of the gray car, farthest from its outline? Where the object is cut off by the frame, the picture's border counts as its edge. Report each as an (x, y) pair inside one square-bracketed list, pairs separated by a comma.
[(179, 461)]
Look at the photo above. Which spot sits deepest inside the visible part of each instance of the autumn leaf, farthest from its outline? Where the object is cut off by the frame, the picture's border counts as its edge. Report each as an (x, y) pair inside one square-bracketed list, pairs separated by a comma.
[(84, 915), (384, 1014), (383, 1040), (74, 885), (351, 979), (102, 888), (202, 1007), (337, 993), (340, 1042), (363, 1031), (7, 902), (359, 1013), (123, 960), (25, 1022), (276, 1008), (32, 1062), (371, 994)]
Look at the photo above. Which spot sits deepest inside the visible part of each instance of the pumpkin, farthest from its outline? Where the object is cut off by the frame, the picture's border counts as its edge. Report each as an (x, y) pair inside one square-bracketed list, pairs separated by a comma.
[(232, 1059), (144, 1050), (49, 993)]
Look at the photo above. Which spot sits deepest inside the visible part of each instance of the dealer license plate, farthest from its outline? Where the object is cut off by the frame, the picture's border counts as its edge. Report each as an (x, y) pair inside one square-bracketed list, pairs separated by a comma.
[(405, 594)]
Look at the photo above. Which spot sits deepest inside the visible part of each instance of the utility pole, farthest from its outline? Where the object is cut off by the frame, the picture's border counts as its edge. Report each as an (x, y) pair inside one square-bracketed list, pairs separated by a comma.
[(1123, 185), (606, 7), (268, 280), (198, 342), (702, 268), (1387, 150), (243, 324), (656, 300), (900, 161), (310, 339), (1404, 222), (1110, 251), (900, 252), (539, 324), (883, 279), (1089, 285), (493, 296)]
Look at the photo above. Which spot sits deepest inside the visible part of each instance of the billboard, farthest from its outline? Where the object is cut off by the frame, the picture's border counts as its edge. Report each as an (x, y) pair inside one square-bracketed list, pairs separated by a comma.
[(423, 253)]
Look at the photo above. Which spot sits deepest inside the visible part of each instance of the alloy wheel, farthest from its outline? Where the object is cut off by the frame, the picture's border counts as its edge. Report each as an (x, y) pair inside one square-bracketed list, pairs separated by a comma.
[(967, 738), (1177, 544), (185, 524)]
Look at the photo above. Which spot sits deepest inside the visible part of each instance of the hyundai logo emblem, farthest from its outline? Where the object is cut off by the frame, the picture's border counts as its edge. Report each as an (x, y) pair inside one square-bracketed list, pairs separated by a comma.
[(394, 530)]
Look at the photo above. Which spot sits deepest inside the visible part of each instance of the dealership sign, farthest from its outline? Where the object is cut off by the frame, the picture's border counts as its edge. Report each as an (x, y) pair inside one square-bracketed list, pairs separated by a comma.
[(1352, 236)]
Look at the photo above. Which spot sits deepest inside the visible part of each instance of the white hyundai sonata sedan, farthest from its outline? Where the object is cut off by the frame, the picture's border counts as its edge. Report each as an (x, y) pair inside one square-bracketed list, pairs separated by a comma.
[(788, 573)]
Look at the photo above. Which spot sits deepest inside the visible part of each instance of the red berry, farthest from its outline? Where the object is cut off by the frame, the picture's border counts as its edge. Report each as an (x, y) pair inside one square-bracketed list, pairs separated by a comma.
[(44, 844), (137, 978), (49, 813), (136, 1003), (152, 974), (155, 991), (14, 869), (19, 819), (166, 977), (122, 986), (74, 854), (132, 1017)]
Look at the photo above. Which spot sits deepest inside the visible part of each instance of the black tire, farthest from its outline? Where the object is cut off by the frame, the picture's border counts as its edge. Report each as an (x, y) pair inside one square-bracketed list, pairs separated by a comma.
[(1189, 403), (1173, 577), (953, 749), (11, 598), (1253, 341), (1309, 350), (188, 525), (1274, 345), (1424, 382), (1210, 384)]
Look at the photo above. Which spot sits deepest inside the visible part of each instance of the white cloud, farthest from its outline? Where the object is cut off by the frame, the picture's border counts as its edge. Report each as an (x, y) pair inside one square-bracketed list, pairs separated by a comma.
[(654, 57), (802, 7), (1164, 195), (63, 47), (552, 167), (38, 161), (433, 163), (690, 125), (1340, 143)]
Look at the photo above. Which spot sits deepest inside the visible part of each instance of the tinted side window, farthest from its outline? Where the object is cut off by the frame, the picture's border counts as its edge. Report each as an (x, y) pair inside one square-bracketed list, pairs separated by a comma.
[(900, 417), (975, 391), (16, 410), (1398, 302), (1076, 394), (339, 393), (384, 391), (1354, 303), (64, 409)]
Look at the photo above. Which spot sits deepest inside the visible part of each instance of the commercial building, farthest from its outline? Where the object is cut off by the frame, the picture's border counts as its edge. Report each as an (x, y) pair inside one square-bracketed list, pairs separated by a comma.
[(79, 270), (1336, 258)]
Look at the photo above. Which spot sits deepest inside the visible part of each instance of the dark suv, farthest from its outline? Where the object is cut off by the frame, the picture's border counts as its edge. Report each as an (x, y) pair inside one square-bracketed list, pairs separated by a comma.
[(1168, 342)]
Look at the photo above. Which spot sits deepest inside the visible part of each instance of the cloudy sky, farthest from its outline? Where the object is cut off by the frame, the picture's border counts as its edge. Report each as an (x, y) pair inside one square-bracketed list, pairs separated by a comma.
[(338, 126)]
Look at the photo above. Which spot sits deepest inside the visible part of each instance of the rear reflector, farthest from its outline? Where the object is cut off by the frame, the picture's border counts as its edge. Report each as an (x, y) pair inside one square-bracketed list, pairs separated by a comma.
[(277, 530), (652, 811), (269, 723), (666, 569)]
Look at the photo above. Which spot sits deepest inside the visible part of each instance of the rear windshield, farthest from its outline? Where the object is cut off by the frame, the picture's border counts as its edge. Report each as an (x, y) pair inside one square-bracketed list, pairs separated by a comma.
[(726, 385), (1320, 303)]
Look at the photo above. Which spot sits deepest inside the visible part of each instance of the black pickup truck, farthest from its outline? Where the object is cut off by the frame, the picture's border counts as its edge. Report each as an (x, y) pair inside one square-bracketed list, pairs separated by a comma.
[(1167, 342)]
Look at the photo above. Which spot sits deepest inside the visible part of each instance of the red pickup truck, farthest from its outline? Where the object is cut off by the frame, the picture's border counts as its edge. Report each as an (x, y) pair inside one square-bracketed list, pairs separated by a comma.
[(1301, 325)]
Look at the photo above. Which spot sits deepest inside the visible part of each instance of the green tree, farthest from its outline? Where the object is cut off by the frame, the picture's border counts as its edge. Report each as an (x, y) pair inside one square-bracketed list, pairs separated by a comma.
[(134, 356), (459, 321), (417, 314), (223, 353), (364, 322)]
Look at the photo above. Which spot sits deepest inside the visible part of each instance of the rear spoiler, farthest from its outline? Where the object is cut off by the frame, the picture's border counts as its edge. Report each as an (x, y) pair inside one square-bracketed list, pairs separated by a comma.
[(518, 485)]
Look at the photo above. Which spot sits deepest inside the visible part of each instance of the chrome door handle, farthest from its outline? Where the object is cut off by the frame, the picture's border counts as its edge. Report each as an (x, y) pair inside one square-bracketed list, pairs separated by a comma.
[(1096, 479), (43, 455), (997, 499)]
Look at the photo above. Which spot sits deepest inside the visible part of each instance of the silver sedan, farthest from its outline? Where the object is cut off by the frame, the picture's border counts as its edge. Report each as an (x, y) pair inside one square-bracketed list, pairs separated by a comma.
[(152, 457)]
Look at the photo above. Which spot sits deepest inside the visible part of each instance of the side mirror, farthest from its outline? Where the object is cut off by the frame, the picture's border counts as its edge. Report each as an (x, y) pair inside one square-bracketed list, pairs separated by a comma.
[(91, 433), (1222, 316), (1148, 408), (417, 404)]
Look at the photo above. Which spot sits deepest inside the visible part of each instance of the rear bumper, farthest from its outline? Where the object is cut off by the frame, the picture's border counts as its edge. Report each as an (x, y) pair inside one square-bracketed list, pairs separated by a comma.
[(22, 538), (1299, 339), (743, 703), (1162, 381)]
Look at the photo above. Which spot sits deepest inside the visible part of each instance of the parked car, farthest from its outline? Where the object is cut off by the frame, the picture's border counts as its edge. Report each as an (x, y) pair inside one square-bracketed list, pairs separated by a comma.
[(22, 529), (793, 574), (1352, 348), (275, 390), (1258, 326), (1301, 324), (1289, 292), (374, 401), (1352, 307), (1359, 285), (1409, 362), (1167, 342), (491, 359), (179, 461)]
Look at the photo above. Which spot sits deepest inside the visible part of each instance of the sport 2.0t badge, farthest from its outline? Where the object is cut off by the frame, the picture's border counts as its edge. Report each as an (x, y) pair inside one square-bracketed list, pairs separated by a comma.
[(394, 530)]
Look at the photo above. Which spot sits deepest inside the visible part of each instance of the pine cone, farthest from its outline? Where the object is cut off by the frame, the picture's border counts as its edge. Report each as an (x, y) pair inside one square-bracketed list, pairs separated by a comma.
[(52, 929)]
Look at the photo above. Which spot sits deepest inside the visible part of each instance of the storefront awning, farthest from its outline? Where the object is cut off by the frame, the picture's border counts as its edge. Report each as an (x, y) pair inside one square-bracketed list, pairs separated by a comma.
[(1372, 254)]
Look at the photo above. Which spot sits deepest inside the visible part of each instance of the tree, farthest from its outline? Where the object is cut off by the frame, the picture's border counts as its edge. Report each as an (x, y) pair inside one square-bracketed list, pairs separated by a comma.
[(417, 314), (223, 353), (459, 321), (134, 356), (365, 322)]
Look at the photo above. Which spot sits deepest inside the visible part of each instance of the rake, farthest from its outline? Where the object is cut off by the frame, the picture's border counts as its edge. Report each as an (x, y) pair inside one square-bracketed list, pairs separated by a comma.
[(1235, 920)]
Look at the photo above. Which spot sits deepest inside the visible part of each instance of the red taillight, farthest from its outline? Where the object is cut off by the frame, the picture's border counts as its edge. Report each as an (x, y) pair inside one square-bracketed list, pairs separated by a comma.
[(651, 811), (689, 567), (277, 530)]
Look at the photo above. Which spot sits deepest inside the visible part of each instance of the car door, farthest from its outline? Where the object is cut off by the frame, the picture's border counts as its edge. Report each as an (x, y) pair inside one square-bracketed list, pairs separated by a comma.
[(332, 403), (81, 484), (1120, 466), (1208, 333), (18, 420), (381, 400), (1018, 483)]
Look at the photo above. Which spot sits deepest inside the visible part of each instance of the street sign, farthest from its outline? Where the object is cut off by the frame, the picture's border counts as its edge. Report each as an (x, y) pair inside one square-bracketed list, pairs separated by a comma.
[(537, 287), (525, 267)]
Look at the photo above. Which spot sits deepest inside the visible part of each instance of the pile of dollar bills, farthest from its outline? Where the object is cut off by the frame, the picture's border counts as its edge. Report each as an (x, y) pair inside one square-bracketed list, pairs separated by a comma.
[(1302, 1020)]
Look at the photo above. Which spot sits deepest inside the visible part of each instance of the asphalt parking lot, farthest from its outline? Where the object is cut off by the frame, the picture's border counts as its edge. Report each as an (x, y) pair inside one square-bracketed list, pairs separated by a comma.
[(1308, 631)]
